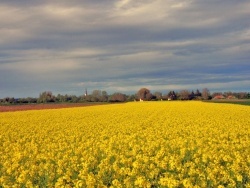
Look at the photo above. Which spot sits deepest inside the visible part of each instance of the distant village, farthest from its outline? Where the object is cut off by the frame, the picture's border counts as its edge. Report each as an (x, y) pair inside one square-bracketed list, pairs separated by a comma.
[(143, 94)]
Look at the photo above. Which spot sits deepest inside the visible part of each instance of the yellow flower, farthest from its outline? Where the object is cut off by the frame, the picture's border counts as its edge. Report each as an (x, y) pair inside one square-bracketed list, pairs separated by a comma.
[(239, 178), (116, 183), (169, 144), (140, 181)]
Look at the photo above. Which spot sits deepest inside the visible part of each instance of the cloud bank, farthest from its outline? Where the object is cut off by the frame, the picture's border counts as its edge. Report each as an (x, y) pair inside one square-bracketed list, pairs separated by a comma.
[(67, 46)]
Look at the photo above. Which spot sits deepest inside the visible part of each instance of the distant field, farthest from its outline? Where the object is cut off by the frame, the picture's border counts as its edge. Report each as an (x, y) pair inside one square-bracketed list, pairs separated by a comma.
[(24, 107), (232, 101), (137, 144)]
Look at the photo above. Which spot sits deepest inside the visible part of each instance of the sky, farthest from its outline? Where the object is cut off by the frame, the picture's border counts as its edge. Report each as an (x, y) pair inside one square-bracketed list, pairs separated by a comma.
[(121, 46)]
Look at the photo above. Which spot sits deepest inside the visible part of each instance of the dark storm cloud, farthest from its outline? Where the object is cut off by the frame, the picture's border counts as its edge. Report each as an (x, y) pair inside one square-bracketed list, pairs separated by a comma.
[(123, 45)]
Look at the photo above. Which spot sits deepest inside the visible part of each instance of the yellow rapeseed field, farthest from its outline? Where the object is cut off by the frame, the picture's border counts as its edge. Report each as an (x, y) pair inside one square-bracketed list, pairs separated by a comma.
[(137, 144)]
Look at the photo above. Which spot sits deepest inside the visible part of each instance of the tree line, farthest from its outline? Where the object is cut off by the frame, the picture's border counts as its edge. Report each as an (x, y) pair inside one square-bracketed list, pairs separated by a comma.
[(142, 94)]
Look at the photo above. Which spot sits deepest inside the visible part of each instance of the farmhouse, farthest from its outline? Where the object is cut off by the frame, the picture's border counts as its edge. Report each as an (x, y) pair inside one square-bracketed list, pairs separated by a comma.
[(219, 97)]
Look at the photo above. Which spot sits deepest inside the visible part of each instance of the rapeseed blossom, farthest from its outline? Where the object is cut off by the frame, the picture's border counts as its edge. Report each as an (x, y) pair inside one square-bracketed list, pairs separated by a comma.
[(149, 144)]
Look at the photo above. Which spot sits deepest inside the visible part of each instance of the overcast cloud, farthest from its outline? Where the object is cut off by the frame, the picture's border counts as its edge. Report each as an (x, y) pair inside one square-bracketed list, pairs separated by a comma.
[(120, 46)]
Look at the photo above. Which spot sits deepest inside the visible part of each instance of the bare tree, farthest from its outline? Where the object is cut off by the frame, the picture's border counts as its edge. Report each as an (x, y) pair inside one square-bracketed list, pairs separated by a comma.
[(158, 95), (118, 97), (205, 94), (184, 94), (144, 94), (242, 95), (96, 95), (228, 94), (216, 94)]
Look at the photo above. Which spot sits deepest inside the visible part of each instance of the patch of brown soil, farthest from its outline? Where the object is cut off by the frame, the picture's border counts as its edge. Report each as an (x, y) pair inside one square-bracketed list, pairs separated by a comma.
[(13, 108)]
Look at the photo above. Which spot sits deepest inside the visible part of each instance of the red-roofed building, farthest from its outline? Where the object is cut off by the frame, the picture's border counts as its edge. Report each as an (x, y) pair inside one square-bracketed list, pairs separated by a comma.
[(219, 97)]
